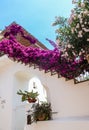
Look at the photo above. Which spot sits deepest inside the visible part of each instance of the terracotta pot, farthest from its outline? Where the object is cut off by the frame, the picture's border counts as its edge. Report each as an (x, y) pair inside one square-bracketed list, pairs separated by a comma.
[(31, 100), (41, 117)]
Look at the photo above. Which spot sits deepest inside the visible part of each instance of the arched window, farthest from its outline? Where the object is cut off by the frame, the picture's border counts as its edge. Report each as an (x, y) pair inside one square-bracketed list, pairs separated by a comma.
[(36, 85)]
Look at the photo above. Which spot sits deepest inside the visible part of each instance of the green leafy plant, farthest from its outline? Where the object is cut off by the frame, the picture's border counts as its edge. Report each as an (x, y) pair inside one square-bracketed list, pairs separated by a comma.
[(75, 29), (42, 112), (29, 96)]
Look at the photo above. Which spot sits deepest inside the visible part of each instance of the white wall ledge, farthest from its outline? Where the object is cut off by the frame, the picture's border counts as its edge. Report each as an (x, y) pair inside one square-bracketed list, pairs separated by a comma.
[(72, 118), (69, 123)]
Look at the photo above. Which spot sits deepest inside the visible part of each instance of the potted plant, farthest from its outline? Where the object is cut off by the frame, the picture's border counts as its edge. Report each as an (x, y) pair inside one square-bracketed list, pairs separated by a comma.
[(28, 96), (42, 111)]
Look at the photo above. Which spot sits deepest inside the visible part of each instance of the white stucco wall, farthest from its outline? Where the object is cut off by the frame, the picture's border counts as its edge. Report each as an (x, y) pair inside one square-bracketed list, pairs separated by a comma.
[(69, 100)]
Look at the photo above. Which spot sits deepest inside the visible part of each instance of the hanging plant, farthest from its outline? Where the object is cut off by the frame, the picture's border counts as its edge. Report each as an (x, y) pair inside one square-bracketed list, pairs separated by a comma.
[(31, 97)]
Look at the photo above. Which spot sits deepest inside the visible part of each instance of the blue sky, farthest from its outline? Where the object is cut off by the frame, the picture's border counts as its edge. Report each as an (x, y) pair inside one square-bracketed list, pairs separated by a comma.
[(36, 16)]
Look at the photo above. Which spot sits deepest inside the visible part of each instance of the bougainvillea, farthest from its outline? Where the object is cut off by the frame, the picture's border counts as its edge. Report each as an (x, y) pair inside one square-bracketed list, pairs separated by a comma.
[(45, 59), (14, 29)]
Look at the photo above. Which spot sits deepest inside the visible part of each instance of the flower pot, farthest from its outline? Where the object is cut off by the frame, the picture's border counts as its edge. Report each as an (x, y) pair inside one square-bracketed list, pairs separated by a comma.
[(32, 100), (41, 117)]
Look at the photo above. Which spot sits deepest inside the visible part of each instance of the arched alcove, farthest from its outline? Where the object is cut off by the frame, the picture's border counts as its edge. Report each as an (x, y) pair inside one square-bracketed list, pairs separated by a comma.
[(36, 85)]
